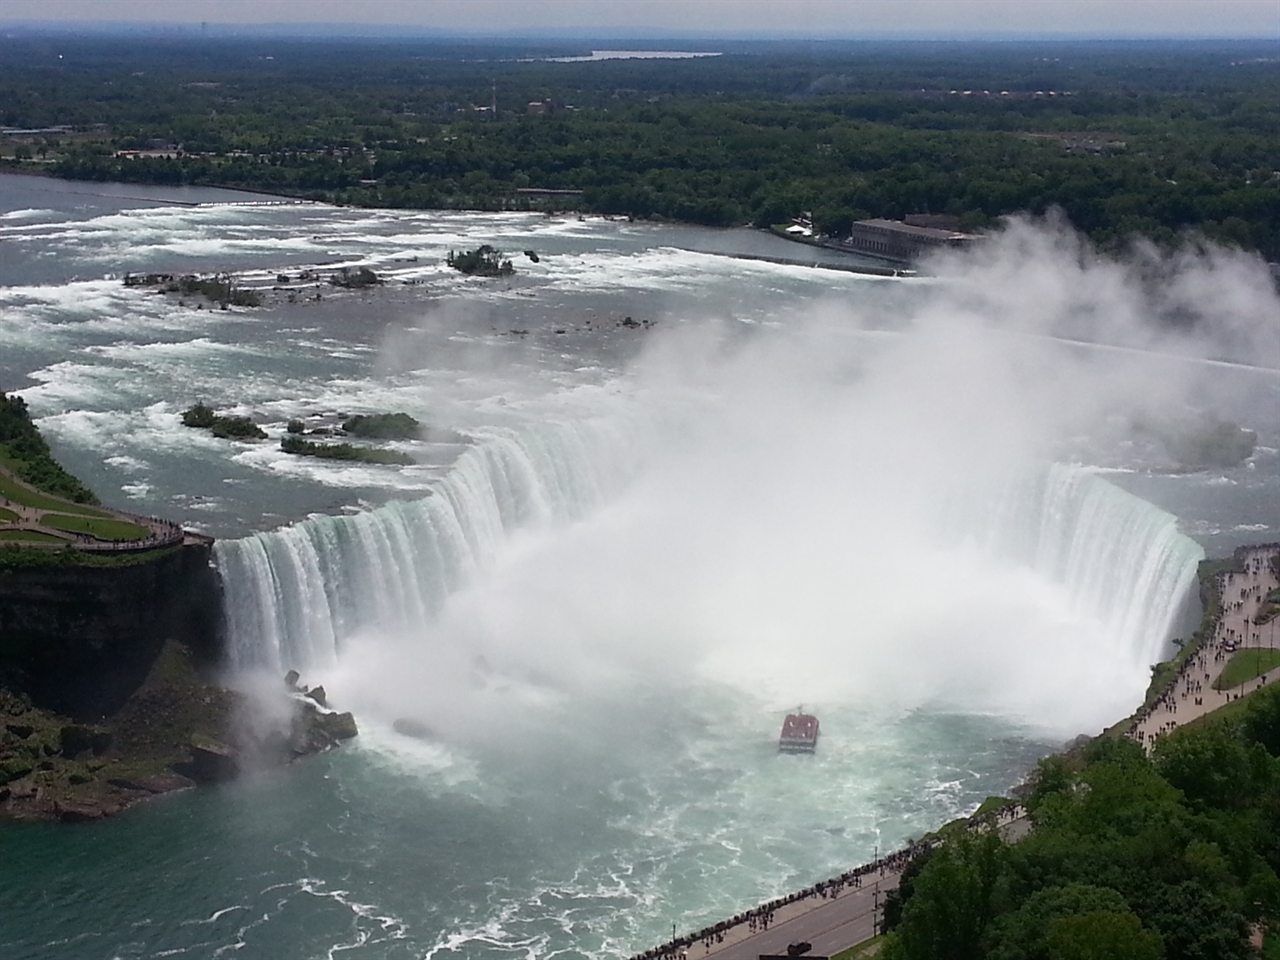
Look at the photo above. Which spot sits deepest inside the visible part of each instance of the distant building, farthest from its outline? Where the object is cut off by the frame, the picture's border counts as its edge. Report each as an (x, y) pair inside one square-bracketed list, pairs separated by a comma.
[(904, 241), (541, 107)]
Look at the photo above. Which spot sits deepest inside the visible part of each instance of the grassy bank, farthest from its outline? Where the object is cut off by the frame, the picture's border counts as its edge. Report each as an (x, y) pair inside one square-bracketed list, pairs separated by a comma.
[(24, 451), (1246, 665), (106, 529)]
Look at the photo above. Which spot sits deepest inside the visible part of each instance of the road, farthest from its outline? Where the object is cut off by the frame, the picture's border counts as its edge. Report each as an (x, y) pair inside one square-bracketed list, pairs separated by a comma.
[(830, 925), (833, 924)]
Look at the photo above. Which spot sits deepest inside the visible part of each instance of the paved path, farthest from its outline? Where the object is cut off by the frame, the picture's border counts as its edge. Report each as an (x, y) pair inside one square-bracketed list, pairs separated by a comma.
[(830, 925), (842, 917), (1192, 695)]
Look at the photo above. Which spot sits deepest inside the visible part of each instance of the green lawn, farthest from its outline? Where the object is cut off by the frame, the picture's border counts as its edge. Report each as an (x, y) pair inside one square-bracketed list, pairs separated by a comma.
[(29, 536), (102, 529), (20, 493), (1246, 665), (6, 515)]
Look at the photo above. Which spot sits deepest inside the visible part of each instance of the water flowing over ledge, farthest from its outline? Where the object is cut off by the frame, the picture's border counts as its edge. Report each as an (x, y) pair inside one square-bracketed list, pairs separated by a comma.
[(1122, 560), (295, 594)]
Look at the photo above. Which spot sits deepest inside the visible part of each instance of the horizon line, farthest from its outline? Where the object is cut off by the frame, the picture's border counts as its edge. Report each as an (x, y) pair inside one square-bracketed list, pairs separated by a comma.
[(349, 31)]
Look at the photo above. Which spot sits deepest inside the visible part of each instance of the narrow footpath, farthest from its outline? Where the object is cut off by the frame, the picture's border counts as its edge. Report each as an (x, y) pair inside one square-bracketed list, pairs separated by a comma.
[(1243, 596)]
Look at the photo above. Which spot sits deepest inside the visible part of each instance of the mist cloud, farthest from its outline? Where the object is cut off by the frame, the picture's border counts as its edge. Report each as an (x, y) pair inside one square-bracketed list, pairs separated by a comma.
[(810, 525)]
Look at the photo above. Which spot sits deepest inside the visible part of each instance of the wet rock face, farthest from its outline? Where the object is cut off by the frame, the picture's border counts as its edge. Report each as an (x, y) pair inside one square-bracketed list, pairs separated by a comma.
[(80, 640), (310, 730), (213, 762), (174, 732), (315, 730)]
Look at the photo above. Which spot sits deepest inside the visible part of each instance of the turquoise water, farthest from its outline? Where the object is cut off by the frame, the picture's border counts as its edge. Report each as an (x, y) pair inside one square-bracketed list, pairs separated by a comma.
[(377, 852)]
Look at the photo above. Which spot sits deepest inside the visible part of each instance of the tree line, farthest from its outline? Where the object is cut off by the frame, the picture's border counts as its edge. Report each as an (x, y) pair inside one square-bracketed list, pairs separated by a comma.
[(1168, 857), (1126, 139)]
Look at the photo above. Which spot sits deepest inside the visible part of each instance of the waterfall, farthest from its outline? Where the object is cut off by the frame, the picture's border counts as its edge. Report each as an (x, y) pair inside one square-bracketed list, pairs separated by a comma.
[(293, 594), (1121, 559)]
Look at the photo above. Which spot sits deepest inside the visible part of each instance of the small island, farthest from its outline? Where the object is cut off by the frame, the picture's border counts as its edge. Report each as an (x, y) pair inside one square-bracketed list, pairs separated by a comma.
[(354, 278), (483, 261), (376, 426), (292, 443), (383, 426), (218, 288), (228, 428), (1195, 441)]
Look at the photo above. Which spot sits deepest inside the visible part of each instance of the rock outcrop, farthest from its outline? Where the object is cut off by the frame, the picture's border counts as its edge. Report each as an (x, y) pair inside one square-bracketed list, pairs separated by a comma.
[(172, 733), (80, 639)]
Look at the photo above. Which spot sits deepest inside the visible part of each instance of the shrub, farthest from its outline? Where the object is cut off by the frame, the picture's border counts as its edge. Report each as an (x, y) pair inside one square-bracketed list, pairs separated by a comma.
[(199, 415), (383, 426), (228, 428), (237, 428), (483, 261)]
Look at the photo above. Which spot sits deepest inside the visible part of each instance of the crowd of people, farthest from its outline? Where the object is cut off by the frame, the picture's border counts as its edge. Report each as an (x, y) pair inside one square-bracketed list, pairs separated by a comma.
[(1195, 682), (762, 917)]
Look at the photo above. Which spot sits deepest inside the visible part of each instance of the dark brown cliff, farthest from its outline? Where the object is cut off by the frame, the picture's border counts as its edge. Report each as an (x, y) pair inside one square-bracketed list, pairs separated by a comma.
[(80, 639)]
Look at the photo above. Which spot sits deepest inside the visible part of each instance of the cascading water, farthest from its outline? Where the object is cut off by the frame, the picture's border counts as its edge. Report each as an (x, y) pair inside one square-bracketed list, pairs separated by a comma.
[(1121, 560), (295, 593)]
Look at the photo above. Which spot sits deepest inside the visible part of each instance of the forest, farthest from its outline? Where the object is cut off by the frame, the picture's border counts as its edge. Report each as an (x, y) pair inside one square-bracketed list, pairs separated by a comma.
[(1168, 857), (1159, 139)]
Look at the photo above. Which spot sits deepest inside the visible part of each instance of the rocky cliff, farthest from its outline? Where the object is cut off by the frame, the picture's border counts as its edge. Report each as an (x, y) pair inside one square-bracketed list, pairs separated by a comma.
[(106, 696), (80, 638)]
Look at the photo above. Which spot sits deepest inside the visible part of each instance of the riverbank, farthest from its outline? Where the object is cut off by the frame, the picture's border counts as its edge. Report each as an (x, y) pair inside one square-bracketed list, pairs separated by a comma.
[(111, 638)]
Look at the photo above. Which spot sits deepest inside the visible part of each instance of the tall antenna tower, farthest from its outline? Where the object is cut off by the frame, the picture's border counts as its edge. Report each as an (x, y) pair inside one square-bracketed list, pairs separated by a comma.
[(493, 103)]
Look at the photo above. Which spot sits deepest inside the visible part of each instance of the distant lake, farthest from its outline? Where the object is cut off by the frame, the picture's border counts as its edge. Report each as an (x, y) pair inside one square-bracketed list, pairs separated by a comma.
[(635, 55)]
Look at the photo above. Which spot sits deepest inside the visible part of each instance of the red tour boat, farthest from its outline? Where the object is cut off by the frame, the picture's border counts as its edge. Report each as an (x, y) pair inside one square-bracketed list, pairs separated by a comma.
[(799, 733)]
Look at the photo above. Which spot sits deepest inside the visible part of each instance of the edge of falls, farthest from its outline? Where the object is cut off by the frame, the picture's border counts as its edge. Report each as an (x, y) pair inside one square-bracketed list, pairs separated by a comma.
[(294, 594)]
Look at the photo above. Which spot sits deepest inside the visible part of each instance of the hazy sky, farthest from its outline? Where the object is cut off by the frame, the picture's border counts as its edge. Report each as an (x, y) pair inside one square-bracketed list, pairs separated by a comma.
[(850, 18)]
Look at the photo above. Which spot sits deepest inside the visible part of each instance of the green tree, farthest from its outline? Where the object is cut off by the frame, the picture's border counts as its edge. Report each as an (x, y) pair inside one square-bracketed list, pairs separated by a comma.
[(1262, 720), (956, 896), (1214, 767), (1023, 934), (1102, 936)]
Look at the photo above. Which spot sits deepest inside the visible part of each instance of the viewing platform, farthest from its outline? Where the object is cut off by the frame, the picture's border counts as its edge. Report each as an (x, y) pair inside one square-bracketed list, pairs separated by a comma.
[(29, 517)]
